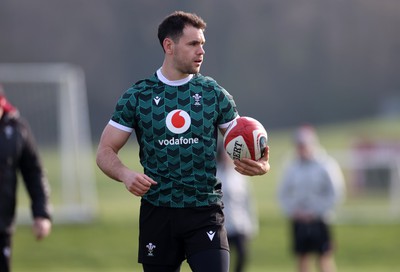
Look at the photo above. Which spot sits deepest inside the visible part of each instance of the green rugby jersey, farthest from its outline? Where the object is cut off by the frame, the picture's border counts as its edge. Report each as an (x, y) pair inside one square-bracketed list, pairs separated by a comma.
[(176, 128)]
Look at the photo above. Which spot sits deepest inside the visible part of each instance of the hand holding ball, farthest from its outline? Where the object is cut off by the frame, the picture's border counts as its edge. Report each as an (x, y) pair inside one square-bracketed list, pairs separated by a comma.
[(245, 138)]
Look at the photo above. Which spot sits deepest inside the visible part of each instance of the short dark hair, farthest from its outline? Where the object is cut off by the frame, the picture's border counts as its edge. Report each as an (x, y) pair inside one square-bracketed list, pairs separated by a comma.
[(172, 26)]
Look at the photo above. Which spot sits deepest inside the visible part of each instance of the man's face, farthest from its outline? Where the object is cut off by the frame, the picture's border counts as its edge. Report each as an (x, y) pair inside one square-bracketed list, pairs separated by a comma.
[(305, 150), (188, 51)]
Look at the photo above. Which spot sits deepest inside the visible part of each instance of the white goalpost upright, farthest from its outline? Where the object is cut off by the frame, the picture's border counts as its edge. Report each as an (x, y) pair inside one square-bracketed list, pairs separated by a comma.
[(373, 183), (52, 98)]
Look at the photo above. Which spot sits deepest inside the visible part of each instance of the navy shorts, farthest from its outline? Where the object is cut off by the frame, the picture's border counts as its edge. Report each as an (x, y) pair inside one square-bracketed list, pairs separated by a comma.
[(311, 237), (170, 235)]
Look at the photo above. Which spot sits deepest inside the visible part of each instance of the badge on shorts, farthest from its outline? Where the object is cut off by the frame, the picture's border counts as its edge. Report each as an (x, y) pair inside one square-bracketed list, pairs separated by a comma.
[(150, 248), (211, 234)]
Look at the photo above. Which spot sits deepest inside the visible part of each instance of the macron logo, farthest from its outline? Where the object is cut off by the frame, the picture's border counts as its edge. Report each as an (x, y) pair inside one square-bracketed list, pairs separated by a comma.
[(157, 100), (211, 234)]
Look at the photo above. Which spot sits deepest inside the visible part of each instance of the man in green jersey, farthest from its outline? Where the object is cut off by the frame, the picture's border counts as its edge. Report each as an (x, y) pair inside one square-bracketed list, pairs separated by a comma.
[(176, 114)]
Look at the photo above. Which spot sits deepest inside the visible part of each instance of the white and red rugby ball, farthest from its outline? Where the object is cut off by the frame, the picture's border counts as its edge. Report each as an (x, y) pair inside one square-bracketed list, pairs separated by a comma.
[(245, 138)]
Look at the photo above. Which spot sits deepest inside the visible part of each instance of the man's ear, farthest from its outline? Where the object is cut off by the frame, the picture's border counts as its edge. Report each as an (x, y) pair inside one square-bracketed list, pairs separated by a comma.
[(168, 45)]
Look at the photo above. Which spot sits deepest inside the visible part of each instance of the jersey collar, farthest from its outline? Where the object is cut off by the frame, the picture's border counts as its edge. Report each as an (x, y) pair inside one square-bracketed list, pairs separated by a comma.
[(179, 82)]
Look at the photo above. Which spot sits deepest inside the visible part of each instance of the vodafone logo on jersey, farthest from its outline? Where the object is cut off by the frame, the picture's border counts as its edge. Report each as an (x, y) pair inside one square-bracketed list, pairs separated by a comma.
[(178, 121)]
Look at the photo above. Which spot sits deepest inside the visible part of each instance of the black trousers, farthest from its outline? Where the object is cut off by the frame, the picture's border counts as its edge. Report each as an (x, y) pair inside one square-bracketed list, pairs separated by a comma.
[(5, 252)]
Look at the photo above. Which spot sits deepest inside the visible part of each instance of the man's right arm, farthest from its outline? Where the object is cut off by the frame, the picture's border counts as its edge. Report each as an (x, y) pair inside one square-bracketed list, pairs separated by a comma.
[(111, 141)]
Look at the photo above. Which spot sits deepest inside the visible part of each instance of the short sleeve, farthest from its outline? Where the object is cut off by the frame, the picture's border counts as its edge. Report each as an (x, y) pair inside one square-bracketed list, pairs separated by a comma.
[(227, 107), (124, 113)]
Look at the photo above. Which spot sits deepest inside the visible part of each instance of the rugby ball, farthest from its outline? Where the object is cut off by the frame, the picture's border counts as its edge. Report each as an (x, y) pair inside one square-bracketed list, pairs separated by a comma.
[(245, 138)]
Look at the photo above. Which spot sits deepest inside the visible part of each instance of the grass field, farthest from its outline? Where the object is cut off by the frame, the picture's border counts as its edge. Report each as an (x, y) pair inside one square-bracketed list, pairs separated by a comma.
[(109, 243)]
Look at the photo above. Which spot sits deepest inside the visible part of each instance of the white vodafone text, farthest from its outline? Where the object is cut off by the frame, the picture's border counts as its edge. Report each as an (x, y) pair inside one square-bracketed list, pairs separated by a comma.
[(178, 141)]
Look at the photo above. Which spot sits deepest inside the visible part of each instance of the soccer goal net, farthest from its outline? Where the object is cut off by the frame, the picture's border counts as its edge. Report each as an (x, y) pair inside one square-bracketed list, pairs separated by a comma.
[(373, 182), (52, 98)]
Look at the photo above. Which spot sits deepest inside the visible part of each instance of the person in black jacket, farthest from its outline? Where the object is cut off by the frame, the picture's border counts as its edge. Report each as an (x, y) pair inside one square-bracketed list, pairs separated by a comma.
[(18, 153)]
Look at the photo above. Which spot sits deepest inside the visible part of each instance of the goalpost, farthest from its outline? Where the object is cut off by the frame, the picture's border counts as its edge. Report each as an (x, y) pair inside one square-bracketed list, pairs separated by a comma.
[(52, 98), (373, 183)]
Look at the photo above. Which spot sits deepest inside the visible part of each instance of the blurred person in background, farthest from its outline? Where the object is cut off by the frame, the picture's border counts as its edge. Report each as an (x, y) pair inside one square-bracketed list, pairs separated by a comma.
[(311, 186), (18, 153), (241, 221)]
